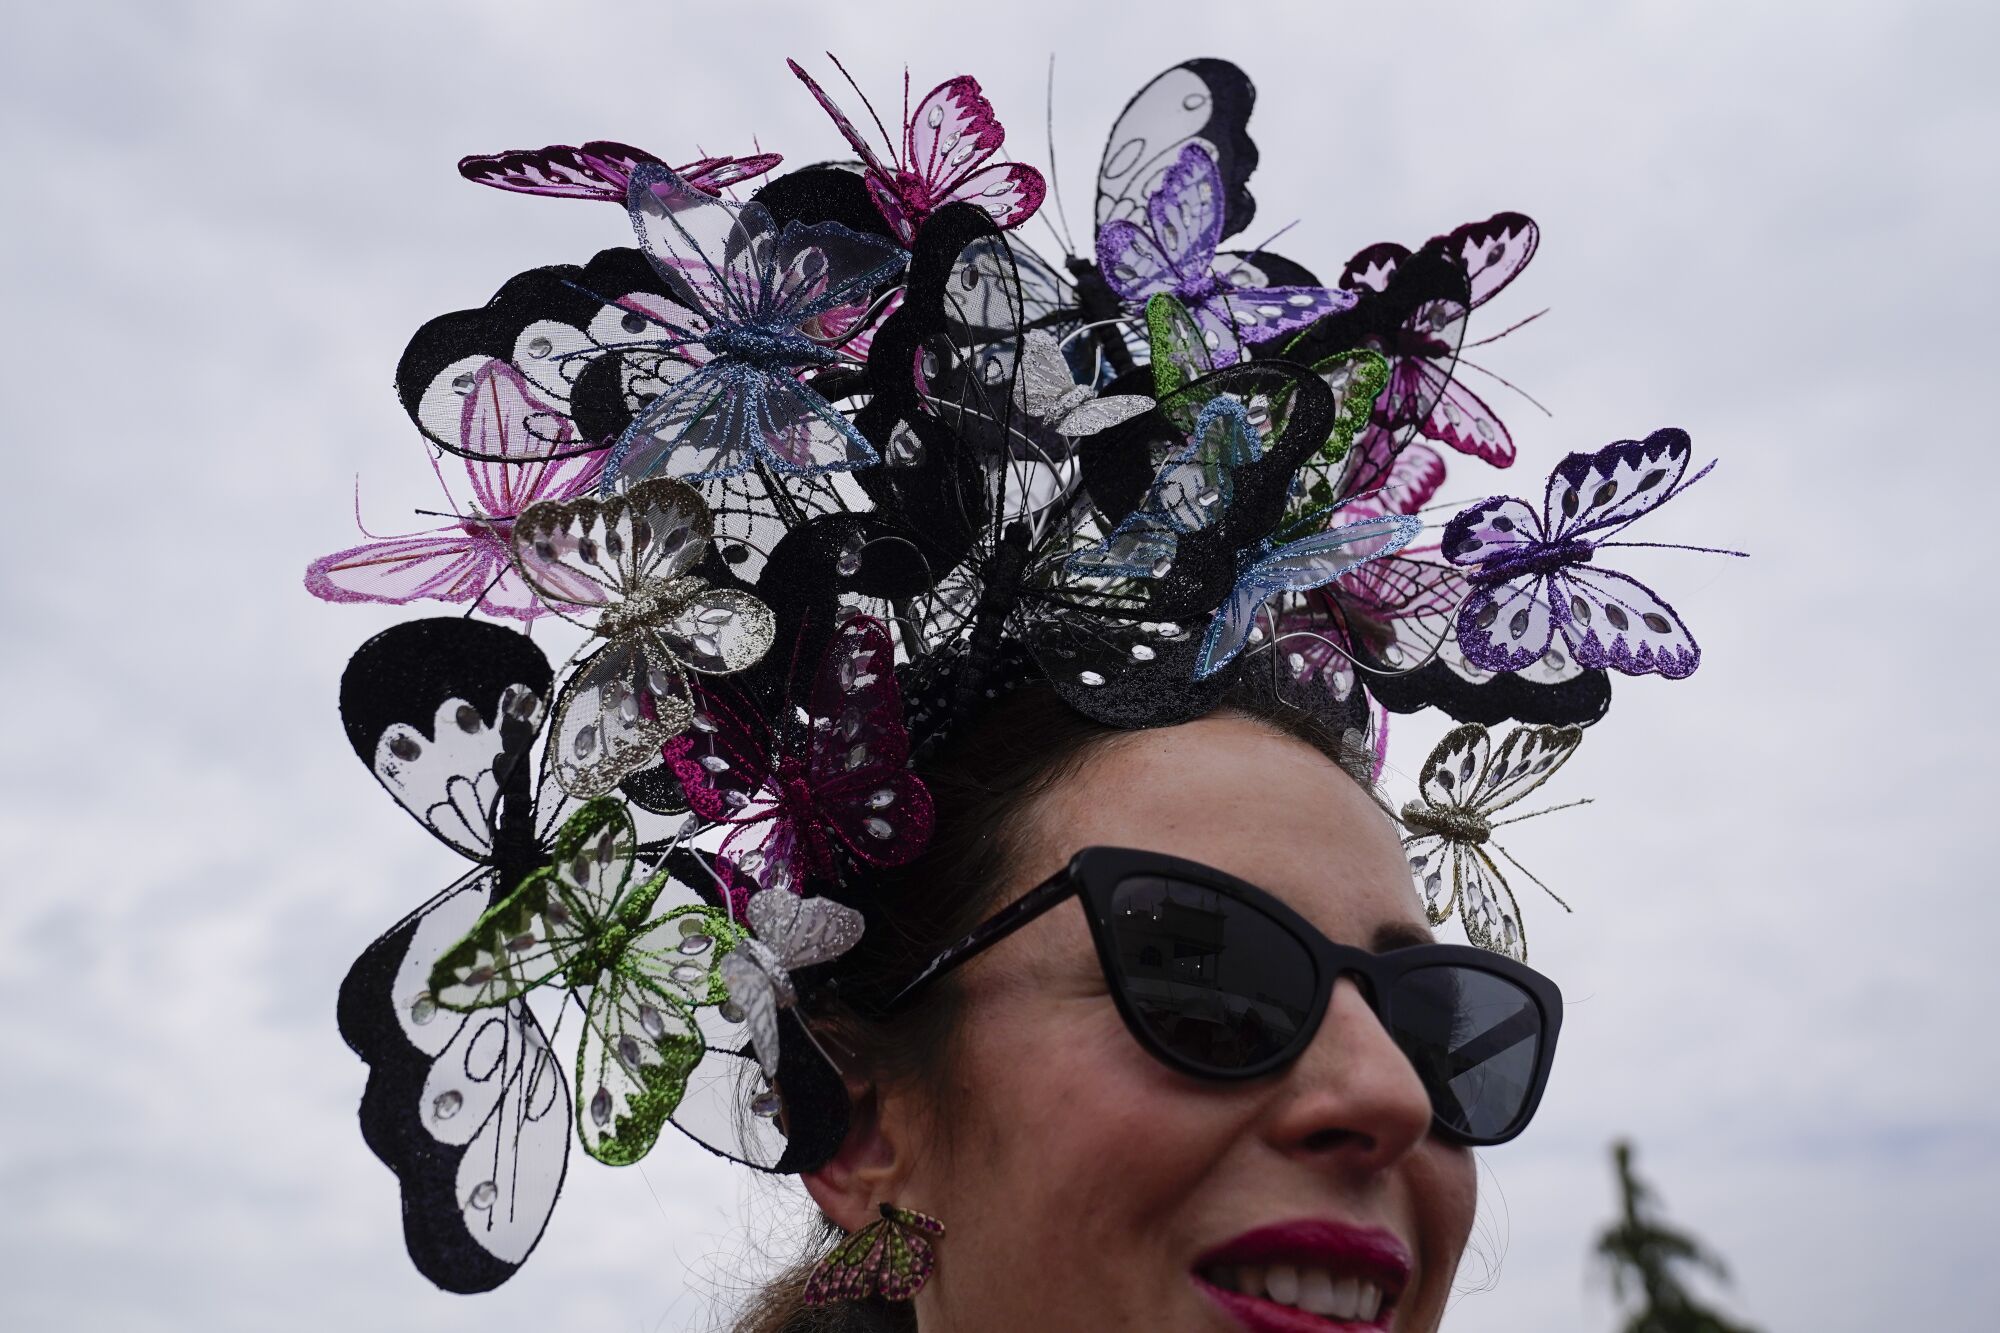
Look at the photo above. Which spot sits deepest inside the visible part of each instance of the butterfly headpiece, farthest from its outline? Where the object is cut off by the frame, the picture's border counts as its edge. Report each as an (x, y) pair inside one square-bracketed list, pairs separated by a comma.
[(804, 474)]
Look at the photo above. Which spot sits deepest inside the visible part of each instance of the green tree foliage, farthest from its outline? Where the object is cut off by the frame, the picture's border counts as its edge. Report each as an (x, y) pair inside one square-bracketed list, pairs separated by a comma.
[(1648, 1261)]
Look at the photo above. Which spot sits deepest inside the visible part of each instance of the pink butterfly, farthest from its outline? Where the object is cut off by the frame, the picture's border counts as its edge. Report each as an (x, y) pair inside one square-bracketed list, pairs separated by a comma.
[(600, 169), (469, 561), (946, 143), (833, 783), (1424, 390)]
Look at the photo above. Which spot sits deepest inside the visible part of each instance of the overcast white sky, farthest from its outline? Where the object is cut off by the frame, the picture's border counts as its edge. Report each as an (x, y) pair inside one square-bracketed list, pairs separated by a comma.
[(1771, 224)]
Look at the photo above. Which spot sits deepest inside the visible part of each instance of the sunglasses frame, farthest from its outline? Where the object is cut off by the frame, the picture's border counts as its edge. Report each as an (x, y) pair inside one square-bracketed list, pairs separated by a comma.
[(1094, 873)]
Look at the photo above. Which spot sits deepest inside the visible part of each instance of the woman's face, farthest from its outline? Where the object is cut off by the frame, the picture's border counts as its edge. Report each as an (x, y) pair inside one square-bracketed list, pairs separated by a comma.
[(1085, 1185)]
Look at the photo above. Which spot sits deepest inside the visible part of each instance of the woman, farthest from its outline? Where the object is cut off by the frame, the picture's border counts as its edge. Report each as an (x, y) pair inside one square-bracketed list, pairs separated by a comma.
[(1085, 1183)]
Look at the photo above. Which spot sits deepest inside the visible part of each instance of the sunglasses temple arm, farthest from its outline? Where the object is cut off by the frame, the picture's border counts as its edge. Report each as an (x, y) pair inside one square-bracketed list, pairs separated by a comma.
[(989, 933)]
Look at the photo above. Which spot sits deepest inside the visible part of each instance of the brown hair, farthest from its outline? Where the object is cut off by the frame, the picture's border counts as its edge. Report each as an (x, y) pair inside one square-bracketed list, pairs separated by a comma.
[(985, 786)]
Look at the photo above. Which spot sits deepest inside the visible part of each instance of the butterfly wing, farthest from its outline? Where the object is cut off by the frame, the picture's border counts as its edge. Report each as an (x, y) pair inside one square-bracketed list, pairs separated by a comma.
[(641, 1039), (452, 565), (710, 175), (906, 1254), (748, 975), (1310, 562), (1199, 103), (1528, 757), (597, 170), (1175, 243), (590, 554), (1486, 904), (1451, 773), (950, 136), (1592, 492), (852, 1270), (1431, 860), (803, 932), (538, 927), (1645, 634), (844, 125), (618, 707), (1494, 252), (858, 750), (445, 712), (466, 1109)]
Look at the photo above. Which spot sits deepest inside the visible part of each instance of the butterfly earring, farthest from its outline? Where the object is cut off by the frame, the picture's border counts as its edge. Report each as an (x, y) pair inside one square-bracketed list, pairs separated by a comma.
[(891, 1257)]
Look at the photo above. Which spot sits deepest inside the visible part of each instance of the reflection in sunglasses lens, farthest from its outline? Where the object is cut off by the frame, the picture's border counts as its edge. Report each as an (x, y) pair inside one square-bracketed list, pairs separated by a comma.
[(1214, 980), (1475, 1039)]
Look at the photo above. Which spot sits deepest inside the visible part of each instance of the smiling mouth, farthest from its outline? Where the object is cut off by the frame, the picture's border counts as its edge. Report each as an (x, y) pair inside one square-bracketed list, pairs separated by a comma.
[(1311, 1275), (1331, 1299)]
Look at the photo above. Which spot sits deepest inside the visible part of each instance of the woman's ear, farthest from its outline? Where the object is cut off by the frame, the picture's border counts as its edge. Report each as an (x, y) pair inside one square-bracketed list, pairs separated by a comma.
[(866, 1171)]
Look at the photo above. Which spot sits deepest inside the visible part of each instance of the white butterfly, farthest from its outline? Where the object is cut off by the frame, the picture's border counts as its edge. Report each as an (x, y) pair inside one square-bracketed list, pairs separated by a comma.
[(1464, 784), (790, 933), (1046, 390)]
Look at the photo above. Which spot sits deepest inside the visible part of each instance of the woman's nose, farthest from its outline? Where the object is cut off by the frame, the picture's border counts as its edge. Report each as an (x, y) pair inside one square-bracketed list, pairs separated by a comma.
[(1352, 1097)]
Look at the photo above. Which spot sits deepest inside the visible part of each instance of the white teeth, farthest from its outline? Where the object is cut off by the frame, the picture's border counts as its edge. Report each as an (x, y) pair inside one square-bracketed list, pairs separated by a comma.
[(1316, 1292)]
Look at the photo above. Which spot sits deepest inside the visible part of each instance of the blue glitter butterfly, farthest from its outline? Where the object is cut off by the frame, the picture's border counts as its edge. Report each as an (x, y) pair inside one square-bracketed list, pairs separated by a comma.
[(1268, 569), (1188, 492), (730, 343)]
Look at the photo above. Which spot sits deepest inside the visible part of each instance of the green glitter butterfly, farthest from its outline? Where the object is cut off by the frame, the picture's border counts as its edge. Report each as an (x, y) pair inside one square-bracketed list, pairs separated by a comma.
[(1180, 354), (587, 917)]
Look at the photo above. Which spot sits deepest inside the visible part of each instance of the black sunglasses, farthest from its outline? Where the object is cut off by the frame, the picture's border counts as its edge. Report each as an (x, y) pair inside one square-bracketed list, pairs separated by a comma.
[(1221, 980)]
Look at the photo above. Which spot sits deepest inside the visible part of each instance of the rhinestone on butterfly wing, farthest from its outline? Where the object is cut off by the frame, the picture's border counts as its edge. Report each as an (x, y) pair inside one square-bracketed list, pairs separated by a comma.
[(827, 785), (630, 559)]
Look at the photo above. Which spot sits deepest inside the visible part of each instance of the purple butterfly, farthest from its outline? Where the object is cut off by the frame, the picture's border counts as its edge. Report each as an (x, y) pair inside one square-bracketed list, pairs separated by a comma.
[(1533, 576), (469, 560), (600, 169), (1173, 251)]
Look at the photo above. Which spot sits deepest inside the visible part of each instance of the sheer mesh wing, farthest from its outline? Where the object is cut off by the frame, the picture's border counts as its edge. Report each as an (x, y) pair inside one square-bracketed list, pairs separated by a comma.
[(1486, 905), (1509, 625), (1494, 252), (1591, 492), (537, 929), (753, 991), (1310, 562), (1451, 773), (618, 707), (595, 553), (1200, 103), (1432, 867), (1528, 757), (467, 1110)]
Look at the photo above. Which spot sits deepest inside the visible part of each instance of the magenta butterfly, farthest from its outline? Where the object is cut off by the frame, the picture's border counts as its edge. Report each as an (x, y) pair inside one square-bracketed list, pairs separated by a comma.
[(1173, 251), (946, 143), (601, 169), (470, 561), (1534, 577), (834, 783), (1423, 349)]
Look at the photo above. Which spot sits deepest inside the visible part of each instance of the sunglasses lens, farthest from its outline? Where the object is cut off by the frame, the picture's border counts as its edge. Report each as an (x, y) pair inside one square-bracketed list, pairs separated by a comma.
[(1212, 979), (1476, 1040)]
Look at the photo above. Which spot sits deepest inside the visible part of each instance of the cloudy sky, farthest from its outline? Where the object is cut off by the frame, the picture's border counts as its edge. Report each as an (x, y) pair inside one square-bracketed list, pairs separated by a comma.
[(1769, 224)]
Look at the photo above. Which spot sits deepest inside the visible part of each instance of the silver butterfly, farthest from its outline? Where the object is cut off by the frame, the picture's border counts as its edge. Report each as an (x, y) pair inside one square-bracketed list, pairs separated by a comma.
[(1047, 391), (790, 932)]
